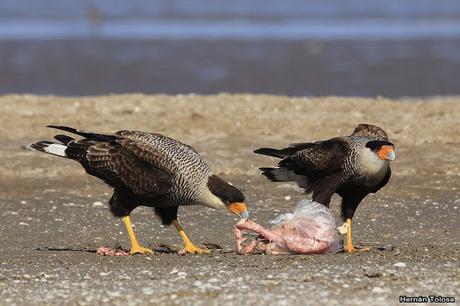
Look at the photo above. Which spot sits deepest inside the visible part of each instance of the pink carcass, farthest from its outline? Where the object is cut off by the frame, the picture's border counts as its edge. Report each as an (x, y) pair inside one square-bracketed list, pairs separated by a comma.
[(310, 229)]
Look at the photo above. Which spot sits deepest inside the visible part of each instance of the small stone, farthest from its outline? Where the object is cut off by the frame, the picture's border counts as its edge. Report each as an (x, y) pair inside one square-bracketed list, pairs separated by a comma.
[(98, 204), (23, 224), (400, 265), (410, 290), (198, 284), (114, 294), (287, 198), (378, 290), (147, 291), (386, 247)]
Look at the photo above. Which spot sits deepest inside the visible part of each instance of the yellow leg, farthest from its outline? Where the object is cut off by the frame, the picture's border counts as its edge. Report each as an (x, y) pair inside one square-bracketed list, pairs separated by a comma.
[(349, 244), (188, 245), (349, 248), (136, 248)]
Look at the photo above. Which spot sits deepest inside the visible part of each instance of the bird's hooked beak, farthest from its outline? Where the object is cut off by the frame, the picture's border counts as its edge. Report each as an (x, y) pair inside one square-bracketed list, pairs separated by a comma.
[(386, 153), (239, 208)]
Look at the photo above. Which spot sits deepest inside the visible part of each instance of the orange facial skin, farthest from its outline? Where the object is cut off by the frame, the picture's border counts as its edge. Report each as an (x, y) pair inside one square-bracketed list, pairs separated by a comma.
[(386, 153), (238, 208)]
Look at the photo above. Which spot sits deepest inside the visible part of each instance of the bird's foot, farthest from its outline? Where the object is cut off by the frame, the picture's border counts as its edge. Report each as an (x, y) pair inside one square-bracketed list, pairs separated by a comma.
[(352, 249), (193, 249), (138, 249)]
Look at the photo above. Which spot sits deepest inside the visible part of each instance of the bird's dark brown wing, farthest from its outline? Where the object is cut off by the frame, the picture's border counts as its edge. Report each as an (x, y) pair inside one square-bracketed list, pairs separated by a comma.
[(122, 162), (369, 130), (131, 166), (318, 159)]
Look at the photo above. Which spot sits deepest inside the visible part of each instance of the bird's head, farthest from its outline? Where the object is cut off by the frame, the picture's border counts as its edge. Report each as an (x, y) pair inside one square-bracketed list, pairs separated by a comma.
[(383, 150), (227, 196)]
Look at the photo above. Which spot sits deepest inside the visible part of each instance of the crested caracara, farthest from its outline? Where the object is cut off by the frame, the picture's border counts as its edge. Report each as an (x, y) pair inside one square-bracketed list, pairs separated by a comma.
[(147, 169), (351, 166)]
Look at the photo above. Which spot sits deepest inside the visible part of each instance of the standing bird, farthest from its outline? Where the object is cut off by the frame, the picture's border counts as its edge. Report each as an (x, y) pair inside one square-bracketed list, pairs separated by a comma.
[(351, 166), (147, 169)]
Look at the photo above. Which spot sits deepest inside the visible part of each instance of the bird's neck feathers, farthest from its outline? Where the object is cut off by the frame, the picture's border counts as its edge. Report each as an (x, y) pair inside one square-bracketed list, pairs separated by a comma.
[(223, 191), (208, 199), (371, 163)]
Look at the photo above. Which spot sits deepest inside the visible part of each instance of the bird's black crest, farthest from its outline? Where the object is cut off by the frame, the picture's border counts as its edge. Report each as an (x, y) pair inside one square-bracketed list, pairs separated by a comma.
[(375, 144), (226, 192)]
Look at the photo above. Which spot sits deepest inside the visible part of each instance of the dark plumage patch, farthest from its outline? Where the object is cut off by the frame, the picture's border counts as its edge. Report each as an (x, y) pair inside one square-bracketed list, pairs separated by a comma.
[(376, 144), (87, 134), (282, 153), (269, 173), (63, 138), (166, 214), (121, 203), (223, 190)]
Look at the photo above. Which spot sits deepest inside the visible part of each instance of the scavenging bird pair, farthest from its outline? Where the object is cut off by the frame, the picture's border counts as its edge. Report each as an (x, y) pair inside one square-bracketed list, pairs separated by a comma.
[(148, 169)]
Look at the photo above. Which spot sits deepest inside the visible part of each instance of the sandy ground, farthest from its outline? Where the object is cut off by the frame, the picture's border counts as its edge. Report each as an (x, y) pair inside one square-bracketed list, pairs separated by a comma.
[(55, 217)]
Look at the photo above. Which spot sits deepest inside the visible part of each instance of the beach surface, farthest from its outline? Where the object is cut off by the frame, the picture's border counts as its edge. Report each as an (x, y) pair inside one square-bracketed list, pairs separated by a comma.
[(55, 216)]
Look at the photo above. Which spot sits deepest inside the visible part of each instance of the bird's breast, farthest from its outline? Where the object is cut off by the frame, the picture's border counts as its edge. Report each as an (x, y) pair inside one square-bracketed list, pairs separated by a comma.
[(372, 169)]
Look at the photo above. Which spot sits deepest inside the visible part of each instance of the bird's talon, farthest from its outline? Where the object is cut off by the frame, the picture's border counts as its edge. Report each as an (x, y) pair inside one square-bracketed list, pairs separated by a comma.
[(192, 249), (352, 249), (140, 250), (349, 249)]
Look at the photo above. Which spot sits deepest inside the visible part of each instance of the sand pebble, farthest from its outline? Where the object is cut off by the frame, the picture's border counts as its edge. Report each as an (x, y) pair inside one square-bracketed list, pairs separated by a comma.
[(378, 290), (198, 284), (98, 204), (399, 265), (147, 291)]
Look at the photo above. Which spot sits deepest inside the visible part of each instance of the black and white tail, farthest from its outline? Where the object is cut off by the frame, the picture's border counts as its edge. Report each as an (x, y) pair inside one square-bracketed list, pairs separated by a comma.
[(69, 147), (278, 174), (49, 147), (282, 174)]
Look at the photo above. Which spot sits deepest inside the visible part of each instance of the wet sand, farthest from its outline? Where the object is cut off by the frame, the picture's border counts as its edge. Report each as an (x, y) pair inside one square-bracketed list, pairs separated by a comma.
[(55, 217)]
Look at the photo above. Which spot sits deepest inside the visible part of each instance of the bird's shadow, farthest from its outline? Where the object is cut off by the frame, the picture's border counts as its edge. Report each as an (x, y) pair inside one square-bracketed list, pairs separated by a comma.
[(159, 249), (64, 249), (163, 249)]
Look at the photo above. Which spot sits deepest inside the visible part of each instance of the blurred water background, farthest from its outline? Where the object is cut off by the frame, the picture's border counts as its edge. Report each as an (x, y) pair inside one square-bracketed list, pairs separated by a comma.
[(305, 48)]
